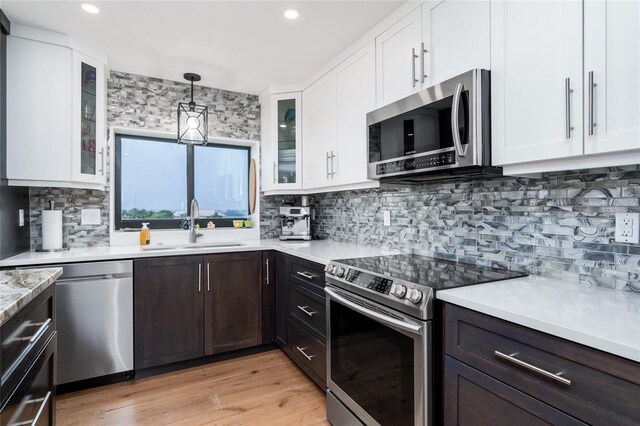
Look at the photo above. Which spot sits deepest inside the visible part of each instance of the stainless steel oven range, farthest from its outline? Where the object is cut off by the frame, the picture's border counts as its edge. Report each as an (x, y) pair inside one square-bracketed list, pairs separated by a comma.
[(379, 335)]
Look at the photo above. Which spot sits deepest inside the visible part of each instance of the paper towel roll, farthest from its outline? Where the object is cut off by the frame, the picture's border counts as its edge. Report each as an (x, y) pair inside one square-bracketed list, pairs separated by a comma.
[(51, 229)]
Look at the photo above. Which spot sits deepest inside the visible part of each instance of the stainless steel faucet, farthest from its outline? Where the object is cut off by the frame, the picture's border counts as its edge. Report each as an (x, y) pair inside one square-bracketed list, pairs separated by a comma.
[(194, 214)]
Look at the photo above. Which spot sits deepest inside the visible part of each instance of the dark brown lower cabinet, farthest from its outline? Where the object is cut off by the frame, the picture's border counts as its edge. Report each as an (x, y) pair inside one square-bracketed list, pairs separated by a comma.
[(282, 301), (187, 307), (473, 398), (268, 297), (233, 302), (498, 372), (169, 310)]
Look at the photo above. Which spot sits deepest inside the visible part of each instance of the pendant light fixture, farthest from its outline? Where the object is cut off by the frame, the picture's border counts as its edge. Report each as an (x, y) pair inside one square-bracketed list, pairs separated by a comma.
[(192, 118)]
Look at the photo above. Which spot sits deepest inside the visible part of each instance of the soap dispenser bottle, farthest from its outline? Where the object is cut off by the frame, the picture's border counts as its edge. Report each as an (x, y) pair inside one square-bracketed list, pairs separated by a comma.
[(145, 235)]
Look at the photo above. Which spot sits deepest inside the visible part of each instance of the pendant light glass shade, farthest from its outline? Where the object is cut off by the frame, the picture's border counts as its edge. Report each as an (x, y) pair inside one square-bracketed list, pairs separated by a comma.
[(192, 119)]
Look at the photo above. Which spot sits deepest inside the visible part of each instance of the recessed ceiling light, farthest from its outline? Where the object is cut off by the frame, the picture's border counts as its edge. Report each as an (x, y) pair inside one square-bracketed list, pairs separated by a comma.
[(89, 8), (291, 14)]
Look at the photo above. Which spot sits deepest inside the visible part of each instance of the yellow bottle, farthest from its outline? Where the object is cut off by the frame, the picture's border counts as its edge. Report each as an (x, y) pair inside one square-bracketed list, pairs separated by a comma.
[(145, 235)]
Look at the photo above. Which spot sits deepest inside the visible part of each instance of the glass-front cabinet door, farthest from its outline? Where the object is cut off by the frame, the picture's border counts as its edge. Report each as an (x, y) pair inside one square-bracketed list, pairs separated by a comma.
[(89, 124), (285, 152)]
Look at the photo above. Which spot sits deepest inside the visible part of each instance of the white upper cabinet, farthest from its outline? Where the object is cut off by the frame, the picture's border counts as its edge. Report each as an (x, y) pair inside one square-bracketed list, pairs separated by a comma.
[(612, 65), (355, 97), (282, 142), (56, 120), (536, 80), (398, 59), (456, 36), (319, 132)]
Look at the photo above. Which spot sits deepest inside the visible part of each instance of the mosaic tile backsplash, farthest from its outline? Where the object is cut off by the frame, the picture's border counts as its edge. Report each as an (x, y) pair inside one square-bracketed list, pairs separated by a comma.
[(146, 103), (561, 225)]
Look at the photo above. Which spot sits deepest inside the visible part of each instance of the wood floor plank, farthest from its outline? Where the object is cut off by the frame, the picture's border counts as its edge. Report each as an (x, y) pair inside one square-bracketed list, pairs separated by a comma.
[(258, 389)]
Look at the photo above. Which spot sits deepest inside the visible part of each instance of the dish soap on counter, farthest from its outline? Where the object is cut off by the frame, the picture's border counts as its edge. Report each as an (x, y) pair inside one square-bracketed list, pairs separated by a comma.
[(145, 235)]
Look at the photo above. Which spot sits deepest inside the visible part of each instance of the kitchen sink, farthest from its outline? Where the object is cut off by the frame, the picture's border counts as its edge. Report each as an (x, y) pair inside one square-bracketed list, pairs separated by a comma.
[(194, 246)]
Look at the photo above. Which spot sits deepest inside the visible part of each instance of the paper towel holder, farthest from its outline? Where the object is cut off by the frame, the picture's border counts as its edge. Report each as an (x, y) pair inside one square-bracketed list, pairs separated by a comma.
[(63, 248)]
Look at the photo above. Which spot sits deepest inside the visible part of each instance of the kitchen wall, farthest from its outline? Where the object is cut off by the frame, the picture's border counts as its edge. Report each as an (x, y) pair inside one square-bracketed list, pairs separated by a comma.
[(561, 225), (149, 103)]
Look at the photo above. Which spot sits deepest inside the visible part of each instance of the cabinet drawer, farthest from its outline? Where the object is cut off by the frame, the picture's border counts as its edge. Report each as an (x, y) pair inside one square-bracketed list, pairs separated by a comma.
[(24, 335), (308, 308), (588, 384), (473, 398), (307, 273), (309, 352), (33, 401)]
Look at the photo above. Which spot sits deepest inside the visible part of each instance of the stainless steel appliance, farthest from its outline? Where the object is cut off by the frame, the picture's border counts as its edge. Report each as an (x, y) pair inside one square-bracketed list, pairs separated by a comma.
[(94, 308), (379, 335), (438, 133), (296, 223)]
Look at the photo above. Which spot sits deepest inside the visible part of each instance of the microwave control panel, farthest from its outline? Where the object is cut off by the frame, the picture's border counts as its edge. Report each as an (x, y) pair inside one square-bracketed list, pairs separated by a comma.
[(372, 282), (425, 162)]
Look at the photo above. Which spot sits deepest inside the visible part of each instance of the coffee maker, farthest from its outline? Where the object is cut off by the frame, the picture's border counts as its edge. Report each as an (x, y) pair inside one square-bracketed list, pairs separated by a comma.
[(296, 223)]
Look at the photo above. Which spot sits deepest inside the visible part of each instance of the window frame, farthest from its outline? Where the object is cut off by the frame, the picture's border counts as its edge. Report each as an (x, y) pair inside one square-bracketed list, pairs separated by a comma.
[(169, 224)]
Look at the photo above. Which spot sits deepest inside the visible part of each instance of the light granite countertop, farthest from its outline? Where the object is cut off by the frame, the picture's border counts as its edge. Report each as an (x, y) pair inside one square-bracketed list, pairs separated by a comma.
[(597, 317), (17, 288), (320, 251)]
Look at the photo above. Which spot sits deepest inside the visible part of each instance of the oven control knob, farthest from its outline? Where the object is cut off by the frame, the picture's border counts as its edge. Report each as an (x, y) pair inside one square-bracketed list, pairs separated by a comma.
[(329, 268), (414, 295), (399, 291), (339, 272)]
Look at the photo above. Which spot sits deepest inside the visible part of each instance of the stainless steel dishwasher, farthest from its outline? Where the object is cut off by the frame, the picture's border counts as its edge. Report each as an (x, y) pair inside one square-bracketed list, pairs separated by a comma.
[(94, 309)]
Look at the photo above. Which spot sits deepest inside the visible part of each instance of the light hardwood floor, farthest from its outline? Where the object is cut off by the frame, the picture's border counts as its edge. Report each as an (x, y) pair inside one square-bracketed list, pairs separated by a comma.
[(260, 389)]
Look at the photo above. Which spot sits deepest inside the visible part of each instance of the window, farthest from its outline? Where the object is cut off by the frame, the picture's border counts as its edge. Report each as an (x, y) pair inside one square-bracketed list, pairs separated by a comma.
[(155, 180)]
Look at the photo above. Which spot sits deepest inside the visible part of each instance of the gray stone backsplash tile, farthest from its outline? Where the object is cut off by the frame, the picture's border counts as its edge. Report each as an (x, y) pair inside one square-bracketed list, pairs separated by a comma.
[(561, 225)]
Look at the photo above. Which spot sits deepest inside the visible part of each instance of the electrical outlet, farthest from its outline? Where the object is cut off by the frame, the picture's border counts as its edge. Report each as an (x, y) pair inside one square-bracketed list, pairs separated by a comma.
[(387, 217), (90, 217), (628, 228), (21, 217)]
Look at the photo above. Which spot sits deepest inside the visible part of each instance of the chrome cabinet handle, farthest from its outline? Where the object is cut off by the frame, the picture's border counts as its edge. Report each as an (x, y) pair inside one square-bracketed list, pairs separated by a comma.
[(199, 277), (208, 277), (333, 156), (414, 80), (306, 310), (102, 161), (592, 86), (302, 351), (267, 275), (307, 275), (455, 107), (423, 76), (327, 165), (275, 175), (567, 98), (511, 358), (43, 403), (42, 327)]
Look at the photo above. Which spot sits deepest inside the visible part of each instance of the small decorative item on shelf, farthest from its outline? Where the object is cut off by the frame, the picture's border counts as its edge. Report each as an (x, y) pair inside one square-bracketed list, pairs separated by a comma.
[(86, 129), (89, 111), (238, 223), (211, 225), (290, 114), (248, 223)]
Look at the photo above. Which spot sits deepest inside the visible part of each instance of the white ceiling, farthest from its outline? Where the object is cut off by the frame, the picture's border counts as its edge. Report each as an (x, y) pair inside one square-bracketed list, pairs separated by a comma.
[(243, 46)]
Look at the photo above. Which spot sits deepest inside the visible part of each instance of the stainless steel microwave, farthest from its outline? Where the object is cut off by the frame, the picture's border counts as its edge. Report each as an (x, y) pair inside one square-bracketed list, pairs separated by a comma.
[(438, 133)]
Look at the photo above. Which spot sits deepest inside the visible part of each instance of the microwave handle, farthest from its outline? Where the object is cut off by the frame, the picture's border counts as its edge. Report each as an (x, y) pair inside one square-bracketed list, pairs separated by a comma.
[(455, 106)]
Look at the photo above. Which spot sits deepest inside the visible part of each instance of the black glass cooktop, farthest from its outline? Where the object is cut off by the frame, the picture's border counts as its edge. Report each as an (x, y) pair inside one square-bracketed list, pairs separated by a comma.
[(438, 274)]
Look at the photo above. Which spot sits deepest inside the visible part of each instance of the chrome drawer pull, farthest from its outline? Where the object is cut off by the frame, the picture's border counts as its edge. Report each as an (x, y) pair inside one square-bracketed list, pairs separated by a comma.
[(43, 403), (306, 310), (533, 368), (307, 275), (42, 328), (302, 351)]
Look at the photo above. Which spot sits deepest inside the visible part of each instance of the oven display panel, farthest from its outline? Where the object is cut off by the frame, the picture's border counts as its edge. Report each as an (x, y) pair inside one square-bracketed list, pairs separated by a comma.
[(372, 282)]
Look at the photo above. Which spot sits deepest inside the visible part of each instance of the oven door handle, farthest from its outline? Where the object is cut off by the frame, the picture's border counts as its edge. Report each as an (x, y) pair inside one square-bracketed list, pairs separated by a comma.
[(415, 329)]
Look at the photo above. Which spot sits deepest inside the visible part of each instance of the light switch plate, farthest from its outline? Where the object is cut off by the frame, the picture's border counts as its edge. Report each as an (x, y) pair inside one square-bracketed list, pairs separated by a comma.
[(628, 228), (90, 217), (387, 218)]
